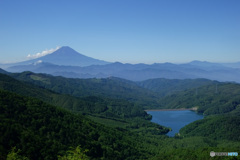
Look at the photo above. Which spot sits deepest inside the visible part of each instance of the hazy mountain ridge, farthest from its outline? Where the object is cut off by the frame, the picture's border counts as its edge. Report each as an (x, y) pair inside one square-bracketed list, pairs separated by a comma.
[(137, 72), (68, 63)]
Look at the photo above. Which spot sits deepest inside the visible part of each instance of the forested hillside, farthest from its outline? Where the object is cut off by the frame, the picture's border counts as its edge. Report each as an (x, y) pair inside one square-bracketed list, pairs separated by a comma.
[(40, 123), (42, 131), (221, 127), (211, 99), (88, 104), (170, 86), (112, 112), (106, 87)]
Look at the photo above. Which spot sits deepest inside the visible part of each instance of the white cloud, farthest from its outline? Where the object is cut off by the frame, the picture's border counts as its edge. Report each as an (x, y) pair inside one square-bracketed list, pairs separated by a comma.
[(43, 53), (38, 62)]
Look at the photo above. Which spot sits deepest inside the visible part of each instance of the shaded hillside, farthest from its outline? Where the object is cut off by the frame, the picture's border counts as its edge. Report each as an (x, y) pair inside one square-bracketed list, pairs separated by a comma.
[(3, 71), (23, 88), (114, 108), (42, 131), (215, 127), (108, 87)]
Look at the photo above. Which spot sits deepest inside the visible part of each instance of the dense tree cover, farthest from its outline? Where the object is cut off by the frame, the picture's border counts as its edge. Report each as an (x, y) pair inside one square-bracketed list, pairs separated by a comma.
[(106, 87), (22, 88), (75, 154), (14, 155), (33, 129), (217, 98), (211, 97), (107, 107), (198, 154), (110, 109), (215, 127), (170, 86), (42, 131)]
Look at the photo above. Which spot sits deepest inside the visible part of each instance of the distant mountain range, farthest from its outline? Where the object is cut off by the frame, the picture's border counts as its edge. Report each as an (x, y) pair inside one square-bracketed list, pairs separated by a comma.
[(68, 63)]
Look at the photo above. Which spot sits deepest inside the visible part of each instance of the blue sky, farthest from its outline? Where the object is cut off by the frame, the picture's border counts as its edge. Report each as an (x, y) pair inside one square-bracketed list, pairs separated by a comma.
[(129, 31)]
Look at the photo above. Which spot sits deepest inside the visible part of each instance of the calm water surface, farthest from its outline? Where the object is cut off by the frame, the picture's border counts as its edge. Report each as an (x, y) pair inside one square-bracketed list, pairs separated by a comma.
[(174, 119)]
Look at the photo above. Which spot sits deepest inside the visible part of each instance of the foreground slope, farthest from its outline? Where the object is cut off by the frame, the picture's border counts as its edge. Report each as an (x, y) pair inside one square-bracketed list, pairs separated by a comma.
[(42, 131)]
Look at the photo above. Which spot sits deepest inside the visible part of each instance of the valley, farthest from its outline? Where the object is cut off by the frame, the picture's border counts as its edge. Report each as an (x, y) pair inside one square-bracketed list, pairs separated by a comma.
[(117, 107)]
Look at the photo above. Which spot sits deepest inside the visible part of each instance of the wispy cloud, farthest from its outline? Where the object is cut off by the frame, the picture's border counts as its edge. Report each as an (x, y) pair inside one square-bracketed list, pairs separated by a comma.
[(43, 53)]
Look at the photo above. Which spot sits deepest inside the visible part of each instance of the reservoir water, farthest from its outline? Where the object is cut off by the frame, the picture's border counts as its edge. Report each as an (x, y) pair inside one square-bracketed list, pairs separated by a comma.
[(174, 119)]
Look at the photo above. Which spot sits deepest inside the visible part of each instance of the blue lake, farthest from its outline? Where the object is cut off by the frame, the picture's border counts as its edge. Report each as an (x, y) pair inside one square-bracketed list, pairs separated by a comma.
[(174, 119)]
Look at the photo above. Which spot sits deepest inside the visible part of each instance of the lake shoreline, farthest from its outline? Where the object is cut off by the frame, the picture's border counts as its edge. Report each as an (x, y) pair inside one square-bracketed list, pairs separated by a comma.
[(177, 109), (174, 118)]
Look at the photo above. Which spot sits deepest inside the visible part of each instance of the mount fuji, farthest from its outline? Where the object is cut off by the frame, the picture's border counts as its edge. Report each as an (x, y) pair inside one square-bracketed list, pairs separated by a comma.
[(64, 56)]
